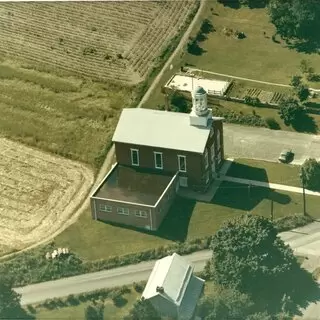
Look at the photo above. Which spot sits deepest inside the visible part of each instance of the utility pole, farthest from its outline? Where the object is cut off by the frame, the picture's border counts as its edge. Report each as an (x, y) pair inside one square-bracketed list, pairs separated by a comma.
[(271, 214)]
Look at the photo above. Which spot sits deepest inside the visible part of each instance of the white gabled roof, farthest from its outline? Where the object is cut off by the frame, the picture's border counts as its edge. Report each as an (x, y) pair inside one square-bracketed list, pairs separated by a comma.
[(160, 129), (173, 274)]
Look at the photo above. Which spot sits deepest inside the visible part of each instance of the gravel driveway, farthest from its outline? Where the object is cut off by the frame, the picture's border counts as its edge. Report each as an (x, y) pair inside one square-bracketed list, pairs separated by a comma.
[(266, 144)]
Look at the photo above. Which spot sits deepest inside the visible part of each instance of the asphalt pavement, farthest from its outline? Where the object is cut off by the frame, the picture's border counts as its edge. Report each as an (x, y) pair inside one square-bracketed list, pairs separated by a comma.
[(99, 280), (265, 144)]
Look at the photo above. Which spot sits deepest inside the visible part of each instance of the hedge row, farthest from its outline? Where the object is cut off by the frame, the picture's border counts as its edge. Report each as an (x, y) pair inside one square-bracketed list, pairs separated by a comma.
[(32, 267), (291, 222), (244, 119), (73, 300)]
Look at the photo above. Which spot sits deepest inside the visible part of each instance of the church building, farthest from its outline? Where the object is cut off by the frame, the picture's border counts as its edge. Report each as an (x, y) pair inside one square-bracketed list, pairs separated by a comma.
[(157, 153)]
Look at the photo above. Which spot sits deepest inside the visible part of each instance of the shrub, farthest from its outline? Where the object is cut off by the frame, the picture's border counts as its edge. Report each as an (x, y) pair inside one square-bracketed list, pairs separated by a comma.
[(31, 309), (310, 174), (138, 287), (272, 123), (290, 222), (72, 300), (252, 101)]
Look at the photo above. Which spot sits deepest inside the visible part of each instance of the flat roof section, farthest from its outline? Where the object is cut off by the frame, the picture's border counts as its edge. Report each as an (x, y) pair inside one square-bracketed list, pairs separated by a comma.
[(184, 83), (137, 185)]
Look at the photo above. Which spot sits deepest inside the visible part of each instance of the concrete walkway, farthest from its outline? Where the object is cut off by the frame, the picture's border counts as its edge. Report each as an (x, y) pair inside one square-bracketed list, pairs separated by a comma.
[(270, 185)]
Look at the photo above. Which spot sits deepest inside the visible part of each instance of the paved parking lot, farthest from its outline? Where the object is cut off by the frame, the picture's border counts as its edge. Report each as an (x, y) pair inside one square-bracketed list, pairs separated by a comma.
[(266, 144)]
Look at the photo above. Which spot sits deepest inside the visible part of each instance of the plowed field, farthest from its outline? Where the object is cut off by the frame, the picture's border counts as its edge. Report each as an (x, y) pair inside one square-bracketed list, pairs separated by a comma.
[(39, 192)]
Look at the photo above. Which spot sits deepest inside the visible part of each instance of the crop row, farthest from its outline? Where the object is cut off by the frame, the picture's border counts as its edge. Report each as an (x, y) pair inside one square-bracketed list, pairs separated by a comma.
[(149, 45), (54, 34)]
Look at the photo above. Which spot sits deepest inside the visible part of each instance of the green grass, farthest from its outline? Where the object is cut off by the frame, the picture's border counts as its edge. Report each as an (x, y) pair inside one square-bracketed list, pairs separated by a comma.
[(265, 171), (67, 116), (186, 220), (256, 56), (111, 312)]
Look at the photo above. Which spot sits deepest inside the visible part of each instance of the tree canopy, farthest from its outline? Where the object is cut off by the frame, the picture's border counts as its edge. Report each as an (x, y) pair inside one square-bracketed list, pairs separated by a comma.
[(142, 310), (290, 111), (94, 311), (225, 304), (248, 256), (298, 19), (310, 172), (10, 307)]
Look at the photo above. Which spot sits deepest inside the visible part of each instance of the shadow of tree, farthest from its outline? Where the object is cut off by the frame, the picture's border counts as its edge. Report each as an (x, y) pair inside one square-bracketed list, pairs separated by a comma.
[(252, 4), (194, 48), (257, 4), (305, 46), (305, 123)]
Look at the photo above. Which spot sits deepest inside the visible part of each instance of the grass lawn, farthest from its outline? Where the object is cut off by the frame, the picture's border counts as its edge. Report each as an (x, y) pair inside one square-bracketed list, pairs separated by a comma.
[(65, 115), (186, 220), (265, 171), (111, 312), (256, 56)]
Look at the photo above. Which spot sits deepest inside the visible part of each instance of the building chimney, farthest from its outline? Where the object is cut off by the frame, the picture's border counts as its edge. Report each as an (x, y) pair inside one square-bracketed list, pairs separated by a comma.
[(160, 289)]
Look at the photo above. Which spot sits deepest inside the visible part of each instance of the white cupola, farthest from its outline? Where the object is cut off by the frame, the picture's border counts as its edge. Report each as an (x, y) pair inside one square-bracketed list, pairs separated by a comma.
[(199, 101), (200, 113)]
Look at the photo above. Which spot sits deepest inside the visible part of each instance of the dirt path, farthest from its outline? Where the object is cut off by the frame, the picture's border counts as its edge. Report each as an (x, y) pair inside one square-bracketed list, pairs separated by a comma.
[(108, 161), (177, 51)]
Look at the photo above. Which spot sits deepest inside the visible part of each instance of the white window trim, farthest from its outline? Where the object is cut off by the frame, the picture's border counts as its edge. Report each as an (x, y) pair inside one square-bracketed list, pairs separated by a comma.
[(155, 160), (206, 159), (185, 162), (124, 211), (141, 213), (105, 208), (137, 151)]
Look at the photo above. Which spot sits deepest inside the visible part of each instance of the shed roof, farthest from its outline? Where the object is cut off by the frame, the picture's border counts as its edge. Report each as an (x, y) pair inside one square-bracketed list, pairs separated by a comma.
[(161, 129), (173, 274)]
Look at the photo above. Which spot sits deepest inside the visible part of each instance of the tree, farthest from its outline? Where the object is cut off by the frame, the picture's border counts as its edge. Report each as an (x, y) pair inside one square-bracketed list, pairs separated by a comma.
[(225, 304), (142, 310), (259, 316), (10, 307), (302, 92), (248, 256), (290, 111), (94, 312), (296, 81), (179, 103), (305, 66), (298, 19), (310, 172)]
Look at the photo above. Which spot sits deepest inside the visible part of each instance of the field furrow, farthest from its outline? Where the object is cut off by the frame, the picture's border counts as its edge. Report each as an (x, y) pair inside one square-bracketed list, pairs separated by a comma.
[(39, 192), (86, 39)]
